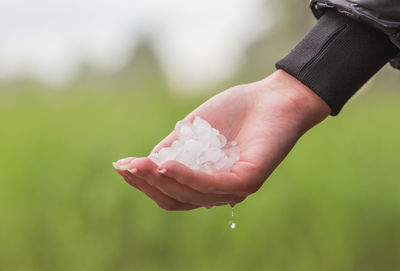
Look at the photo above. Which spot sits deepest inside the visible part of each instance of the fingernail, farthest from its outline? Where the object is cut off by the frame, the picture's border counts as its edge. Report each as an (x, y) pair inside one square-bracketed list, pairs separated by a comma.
[(132, 170), (123, 167), (162, 171), (123, 161), (115, 165)]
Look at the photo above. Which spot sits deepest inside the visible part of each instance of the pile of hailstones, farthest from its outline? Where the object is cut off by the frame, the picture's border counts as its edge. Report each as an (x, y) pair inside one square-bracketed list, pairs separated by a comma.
[(199, 147)]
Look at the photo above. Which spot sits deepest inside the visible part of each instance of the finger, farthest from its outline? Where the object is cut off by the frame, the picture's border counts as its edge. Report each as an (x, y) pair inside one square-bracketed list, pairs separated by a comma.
[(224, 182), (166, 142), (148, 171), (123, 164), (162, 200), (120, 167), (124, 175)]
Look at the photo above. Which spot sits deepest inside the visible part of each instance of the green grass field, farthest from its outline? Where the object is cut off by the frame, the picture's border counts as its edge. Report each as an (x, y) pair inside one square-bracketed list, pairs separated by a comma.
[(333, 204)]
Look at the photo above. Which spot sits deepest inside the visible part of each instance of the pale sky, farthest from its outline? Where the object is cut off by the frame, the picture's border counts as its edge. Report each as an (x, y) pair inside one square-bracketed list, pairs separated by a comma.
[(197, 41)]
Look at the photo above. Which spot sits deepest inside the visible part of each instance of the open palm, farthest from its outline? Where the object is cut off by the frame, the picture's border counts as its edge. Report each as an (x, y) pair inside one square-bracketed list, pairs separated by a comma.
[(265, 118)]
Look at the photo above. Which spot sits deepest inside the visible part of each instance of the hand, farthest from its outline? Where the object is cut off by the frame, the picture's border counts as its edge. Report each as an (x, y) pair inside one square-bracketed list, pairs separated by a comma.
[(265, 118)]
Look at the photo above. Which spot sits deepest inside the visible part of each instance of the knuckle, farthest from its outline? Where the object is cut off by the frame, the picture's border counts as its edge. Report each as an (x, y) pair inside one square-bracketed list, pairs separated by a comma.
[(170, 206), (178, 197), (193, 201), (181, 198), (209, 189), (240, 199), (164, 206), (237, 199), (251, 188), (131, 182)]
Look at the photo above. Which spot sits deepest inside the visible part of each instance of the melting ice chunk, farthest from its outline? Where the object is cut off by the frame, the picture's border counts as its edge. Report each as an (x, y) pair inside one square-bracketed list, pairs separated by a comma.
[(199, 146)]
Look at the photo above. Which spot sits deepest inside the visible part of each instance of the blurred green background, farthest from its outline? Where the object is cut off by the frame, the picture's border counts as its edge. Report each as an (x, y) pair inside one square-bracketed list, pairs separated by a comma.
[(333, 204)]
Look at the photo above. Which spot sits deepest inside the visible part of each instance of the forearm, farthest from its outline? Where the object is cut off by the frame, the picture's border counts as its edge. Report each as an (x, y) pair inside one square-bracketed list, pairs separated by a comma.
[(337, 57)]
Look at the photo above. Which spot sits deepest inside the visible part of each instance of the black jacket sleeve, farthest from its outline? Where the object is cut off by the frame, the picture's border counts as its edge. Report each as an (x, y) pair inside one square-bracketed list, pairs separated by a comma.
[(381, 14), (337, 57)]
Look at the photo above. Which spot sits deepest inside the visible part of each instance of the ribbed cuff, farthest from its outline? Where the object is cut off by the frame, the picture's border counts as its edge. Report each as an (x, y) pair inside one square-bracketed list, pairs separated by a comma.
[(337, 57)]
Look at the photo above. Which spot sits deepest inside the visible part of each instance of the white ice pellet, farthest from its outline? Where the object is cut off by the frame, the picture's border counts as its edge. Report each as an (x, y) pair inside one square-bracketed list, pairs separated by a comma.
[(154, 158), (199, 146), (177, 144), (214, 154), (222, 140), (192, 145)]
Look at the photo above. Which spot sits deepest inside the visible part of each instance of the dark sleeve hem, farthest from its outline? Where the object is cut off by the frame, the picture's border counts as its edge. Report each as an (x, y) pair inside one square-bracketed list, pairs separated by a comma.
[(337, 57)]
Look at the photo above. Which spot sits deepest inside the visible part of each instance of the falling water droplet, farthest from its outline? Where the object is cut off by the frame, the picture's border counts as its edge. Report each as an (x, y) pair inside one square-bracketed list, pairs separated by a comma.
[(231, 223)]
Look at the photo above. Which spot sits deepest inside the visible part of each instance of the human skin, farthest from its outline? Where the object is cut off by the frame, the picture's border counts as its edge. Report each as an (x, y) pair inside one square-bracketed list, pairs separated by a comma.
[(265, 118)]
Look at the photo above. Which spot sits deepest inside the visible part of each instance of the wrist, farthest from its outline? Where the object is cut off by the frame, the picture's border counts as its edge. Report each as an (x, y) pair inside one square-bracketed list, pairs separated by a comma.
[(296, 100)]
